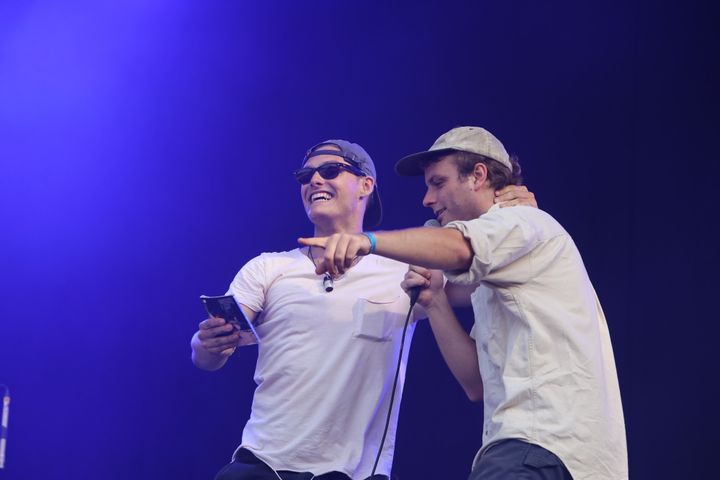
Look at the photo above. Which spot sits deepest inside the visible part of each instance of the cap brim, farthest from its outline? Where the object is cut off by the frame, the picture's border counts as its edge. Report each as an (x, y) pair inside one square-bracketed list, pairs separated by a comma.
[(410, 166)]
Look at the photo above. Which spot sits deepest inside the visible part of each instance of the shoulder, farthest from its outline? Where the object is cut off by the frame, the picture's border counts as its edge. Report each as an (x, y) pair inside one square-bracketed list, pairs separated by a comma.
[(289, 254), (511, 226), (273, 256), (519, 211), (270, 259), (521, 215)]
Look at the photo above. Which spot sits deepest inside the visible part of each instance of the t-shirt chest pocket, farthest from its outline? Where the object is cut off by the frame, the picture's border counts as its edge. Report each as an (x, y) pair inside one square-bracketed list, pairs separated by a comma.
[(377, 319)]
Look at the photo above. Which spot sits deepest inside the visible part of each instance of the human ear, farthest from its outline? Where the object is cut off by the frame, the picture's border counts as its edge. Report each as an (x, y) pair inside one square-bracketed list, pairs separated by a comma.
[(366, 186), (480, 173)]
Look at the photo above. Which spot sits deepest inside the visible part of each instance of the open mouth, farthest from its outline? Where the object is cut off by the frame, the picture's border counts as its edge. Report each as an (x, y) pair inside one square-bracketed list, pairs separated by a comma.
[(320, 197), (439, 213)]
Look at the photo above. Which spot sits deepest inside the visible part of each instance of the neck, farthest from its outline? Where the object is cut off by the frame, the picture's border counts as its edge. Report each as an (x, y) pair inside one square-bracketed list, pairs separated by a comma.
[(325, 229), (486, 199)]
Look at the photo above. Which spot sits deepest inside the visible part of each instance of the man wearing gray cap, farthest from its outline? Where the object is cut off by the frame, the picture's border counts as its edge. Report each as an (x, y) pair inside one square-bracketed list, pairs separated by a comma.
[(328, 344), (539, 354)]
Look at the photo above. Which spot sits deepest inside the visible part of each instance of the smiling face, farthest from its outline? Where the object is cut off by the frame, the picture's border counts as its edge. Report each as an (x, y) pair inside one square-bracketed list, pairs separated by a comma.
[(336, 204), (452, 196)]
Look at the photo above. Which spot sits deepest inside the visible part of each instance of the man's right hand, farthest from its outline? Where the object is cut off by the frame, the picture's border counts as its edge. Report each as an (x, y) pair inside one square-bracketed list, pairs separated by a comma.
[(429, 281), (214, 336)]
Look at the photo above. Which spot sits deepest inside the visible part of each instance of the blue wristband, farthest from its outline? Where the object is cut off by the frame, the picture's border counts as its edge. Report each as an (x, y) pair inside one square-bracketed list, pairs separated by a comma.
[(373, 241)]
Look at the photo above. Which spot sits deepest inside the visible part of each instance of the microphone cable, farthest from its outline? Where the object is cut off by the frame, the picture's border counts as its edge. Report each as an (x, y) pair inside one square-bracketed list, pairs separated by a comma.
[(414, 292)]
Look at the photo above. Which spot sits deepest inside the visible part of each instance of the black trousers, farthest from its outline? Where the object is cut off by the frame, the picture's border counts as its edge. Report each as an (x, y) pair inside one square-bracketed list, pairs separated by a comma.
[(518, 460), (246, 466)]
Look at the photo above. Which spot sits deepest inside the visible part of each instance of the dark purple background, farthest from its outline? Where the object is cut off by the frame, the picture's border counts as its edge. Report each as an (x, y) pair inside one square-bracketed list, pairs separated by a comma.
[(146, 148)]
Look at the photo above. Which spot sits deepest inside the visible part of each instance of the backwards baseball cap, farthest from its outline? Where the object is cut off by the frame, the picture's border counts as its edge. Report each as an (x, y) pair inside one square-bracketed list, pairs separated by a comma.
[(357, 156), (461, 139)]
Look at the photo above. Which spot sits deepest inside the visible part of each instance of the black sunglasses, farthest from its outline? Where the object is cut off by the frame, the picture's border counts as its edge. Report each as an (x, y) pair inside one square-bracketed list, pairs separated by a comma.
[(327, 171)]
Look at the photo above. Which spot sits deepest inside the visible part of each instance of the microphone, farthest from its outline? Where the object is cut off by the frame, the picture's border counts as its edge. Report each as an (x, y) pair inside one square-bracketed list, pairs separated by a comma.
[(4, 428), (415, 291), (328, 284), (432, 223)]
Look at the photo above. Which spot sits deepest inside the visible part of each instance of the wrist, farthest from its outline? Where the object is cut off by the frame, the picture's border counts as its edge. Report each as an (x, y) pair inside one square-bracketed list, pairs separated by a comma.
[(373, 241), (438, 303)]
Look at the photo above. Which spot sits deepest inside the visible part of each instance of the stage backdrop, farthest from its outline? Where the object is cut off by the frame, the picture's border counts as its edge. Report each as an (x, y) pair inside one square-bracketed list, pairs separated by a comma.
[(146, 150)]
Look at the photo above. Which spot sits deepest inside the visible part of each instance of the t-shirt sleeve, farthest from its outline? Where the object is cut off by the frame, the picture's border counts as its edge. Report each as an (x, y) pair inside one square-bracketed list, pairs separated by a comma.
[(497, 238), (249, 285)]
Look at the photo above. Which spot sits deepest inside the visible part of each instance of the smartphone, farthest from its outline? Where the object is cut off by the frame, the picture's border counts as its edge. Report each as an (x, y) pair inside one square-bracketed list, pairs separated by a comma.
[(225, 306)]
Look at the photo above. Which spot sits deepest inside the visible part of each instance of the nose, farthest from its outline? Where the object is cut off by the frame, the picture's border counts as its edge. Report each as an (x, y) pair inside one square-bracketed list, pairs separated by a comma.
[(317, 179), (428, 199)]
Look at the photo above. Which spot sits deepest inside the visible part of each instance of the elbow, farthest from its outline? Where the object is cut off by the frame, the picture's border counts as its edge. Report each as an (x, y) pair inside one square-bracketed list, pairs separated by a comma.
[(475, 395), (203, 363), (474, 390), (463, 255), (196, 361), (462, 260), (454, 251), (465, 260)]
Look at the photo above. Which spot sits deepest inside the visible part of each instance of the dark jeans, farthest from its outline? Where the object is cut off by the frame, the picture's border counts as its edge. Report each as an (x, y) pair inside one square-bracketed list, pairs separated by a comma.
[(518, 460), (246, 466)]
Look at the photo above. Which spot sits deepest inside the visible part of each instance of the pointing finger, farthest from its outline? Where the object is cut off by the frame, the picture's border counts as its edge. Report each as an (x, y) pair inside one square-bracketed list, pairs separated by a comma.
[(313, 241)]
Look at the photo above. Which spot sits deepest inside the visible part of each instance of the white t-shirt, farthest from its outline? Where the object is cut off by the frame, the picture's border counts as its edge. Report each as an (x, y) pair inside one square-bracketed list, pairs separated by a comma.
[(543, 344), (326, 362)]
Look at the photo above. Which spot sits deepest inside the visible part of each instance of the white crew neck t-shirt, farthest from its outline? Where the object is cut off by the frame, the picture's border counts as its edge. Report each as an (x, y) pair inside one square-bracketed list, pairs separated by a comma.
[(326, 362)]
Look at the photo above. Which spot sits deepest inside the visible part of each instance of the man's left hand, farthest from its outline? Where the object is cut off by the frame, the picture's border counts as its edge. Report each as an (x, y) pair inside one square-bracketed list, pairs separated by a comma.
[(512, 195)]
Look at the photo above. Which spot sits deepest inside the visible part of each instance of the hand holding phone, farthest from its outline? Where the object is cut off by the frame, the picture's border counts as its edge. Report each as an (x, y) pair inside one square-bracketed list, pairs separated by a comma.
[(225, 306)]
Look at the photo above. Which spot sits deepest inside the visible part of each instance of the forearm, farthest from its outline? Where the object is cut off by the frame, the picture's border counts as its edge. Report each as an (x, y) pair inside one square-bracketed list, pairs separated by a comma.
[(436, 248), (204, 359), (456, 346)]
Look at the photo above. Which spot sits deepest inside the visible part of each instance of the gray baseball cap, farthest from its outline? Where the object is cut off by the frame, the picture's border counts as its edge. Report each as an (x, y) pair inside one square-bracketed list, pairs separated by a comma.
[(357, 156), (463, 139)]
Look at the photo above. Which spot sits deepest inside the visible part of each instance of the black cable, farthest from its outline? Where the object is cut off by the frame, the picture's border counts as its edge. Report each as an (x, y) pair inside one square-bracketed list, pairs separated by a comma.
[(414, 292)]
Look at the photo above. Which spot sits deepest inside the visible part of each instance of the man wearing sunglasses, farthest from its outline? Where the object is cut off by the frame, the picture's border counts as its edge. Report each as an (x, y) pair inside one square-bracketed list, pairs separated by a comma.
[(539, 354), (329, 344)]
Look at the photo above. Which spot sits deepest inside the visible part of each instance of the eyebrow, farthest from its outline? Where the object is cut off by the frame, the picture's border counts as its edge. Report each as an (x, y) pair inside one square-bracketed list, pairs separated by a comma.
[(435, 178)]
